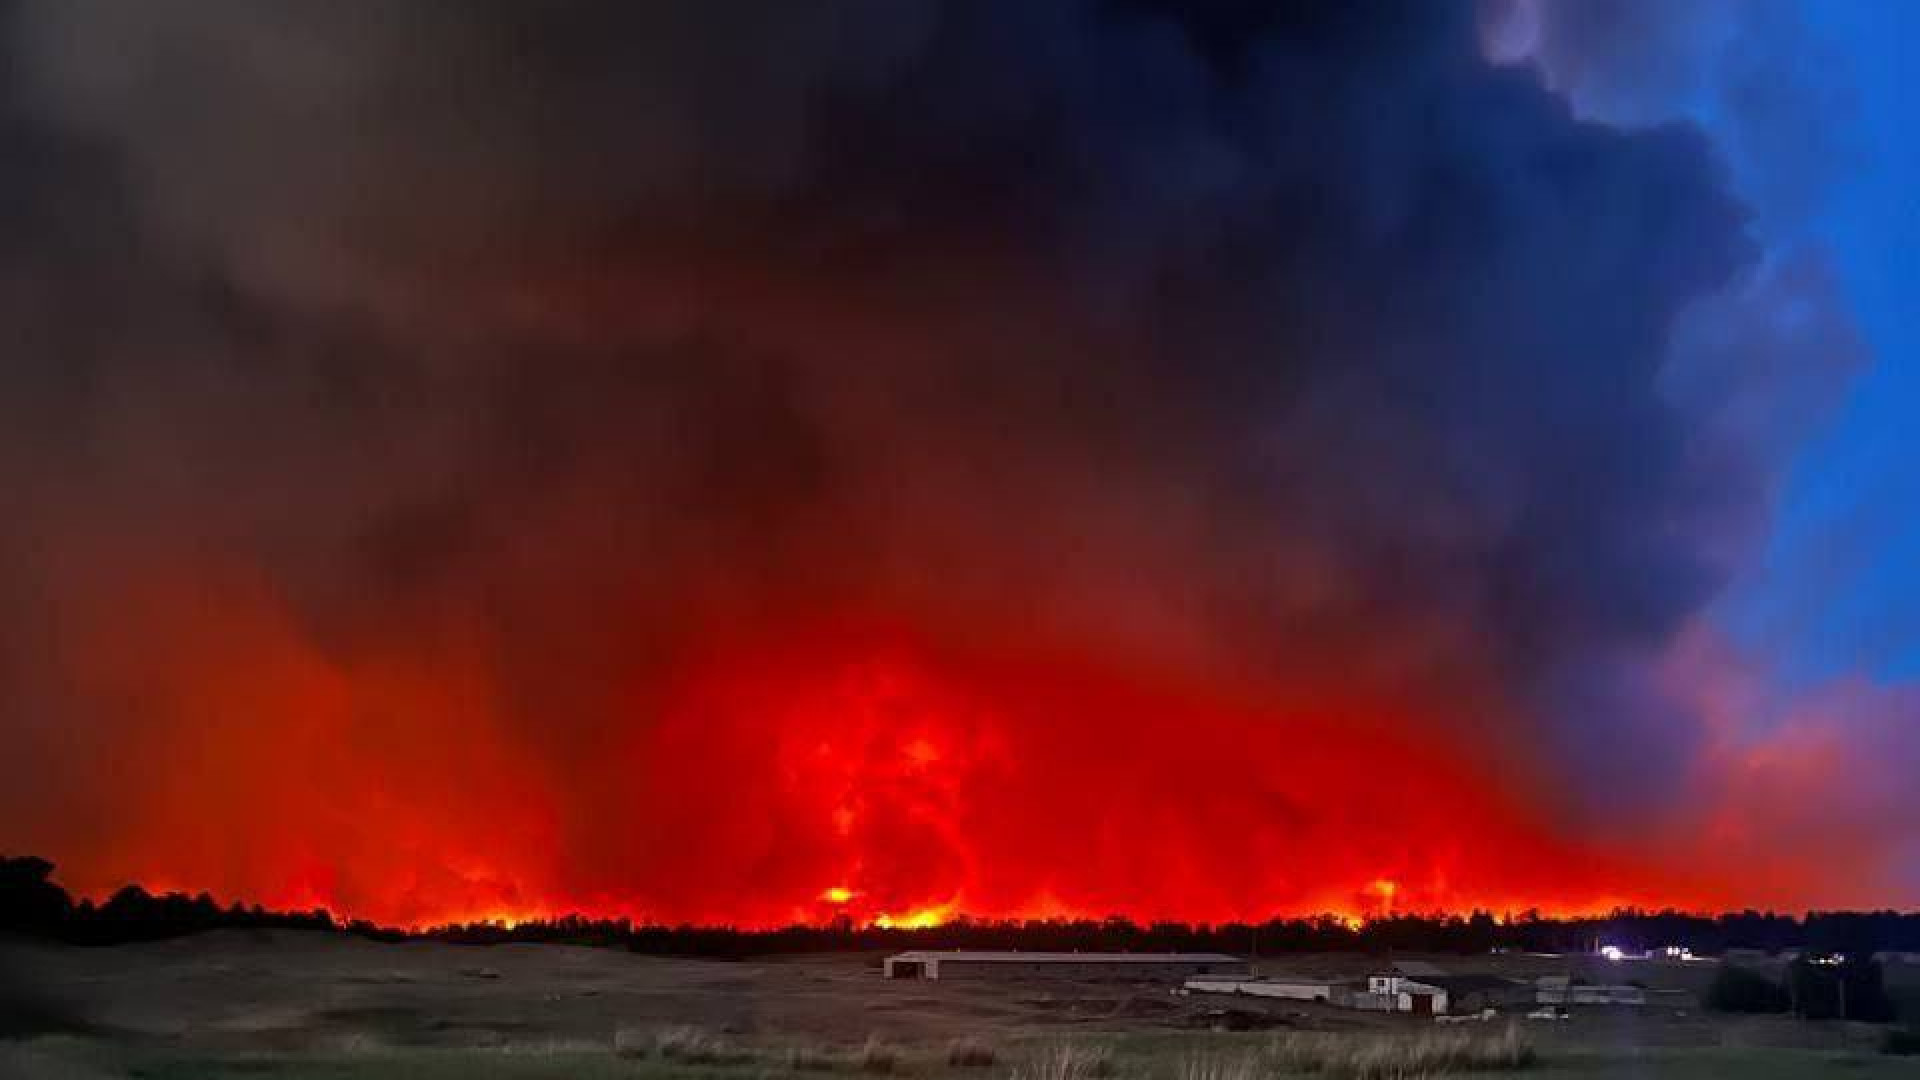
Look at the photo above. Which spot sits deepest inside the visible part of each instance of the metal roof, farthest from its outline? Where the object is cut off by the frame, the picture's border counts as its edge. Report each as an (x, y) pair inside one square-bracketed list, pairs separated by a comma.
[(1460, 984), (1017, 957), (1282, 979)]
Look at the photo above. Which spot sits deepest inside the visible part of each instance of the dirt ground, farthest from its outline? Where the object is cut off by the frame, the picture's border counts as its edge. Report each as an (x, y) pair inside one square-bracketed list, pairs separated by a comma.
[(284, 1003)]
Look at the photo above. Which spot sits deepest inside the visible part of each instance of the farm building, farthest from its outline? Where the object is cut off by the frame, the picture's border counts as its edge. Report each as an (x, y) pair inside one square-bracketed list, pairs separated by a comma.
[(1401, 991), (1283, 987), (1398, 993), (1560, 990), (1472, 993), (964, 964)]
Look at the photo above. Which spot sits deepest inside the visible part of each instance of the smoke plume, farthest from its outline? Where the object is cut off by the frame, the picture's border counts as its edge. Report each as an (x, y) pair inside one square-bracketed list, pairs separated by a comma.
[(1100, 456)]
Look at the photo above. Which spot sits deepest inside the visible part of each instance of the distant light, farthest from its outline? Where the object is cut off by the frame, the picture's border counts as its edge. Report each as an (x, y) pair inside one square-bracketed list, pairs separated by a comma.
[(1613, 952), (839, 894)]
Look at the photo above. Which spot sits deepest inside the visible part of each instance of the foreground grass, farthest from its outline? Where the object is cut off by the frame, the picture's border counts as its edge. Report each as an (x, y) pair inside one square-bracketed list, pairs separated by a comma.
[(682, 1054), (1389, 1057)]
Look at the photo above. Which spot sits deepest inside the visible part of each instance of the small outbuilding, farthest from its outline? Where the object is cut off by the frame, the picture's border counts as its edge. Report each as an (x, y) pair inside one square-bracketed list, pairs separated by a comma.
[(1473, 993), (1559, 990), (1402, 994), (1135, 967)]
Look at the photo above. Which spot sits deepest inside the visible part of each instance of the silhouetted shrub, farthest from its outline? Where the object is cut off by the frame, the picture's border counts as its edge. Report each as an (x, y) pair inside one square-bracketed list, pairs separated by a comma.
[(1902, 1041), (969, 1052), (1742, 990), (1853, 990), (29, 902)]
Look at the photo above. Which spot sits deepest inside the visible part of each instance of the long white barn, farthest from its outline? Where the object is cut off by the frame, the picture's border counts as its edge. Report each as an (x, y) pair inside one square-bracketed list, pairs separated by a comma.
[(971, 964)]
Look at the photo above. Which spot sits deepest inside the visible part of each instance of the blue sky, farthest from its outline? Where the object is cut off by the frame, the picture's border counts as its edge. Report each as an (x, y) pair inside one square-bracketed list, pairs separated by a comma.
[(1837, 590)]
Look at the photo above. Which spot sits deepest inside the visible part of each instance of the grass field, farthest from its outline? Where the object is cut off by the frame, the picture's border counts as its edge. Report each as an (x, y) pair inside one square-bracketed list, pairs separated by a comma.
[(1203, 1059), (289, 1005)]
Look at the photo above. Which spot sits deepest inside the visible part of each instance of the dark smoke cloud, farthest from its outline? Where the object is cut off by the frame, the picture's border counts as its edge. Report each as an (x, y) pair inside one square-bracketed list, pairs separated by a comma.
[(476, 368), (1762, 364), (1776, 94)]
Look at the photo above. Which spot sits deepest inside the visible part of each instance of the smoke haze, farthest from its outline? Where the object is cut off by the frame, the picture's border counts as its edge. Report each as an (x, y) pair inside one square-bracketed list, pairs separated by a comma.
[(1191, 460)]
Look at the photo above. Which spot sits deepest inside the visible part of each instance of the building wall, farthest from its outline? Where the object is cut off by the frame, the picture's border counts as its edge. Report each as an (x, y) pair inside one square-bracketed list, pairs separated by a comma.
[(1592, 995), (1472, 1001), (1403, 1001), (897, 968), (1246, 985), (1291, 991), (1399, 991), (960, 968)]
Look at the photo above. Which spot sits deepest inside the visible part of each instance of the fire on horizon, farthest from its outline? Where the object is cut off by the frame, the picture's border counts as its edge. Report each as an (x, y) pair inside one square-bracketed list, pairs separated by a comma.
[(898, 459)]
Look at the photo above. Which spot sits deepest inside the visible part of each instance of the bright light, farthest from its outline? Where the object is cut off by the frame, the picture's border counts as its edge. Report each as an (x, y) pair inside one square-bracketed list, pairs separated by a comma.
[(913, 920), (839, 894), (1613, 952)]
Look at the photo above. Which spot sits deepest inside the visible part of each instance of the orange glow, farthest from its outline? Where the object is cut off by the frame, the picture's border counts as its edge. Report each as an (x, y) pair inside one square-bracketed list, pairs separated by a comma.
[(507, 919), (914, 920), (924, 781), (1143, 460)]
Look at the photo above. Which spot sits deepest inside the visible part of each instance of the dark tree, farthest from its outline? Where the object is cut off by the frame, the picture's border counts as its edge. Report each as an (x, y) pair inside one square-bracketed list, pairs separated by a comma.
[(29, 902), (1851, 990), (1743, 990)]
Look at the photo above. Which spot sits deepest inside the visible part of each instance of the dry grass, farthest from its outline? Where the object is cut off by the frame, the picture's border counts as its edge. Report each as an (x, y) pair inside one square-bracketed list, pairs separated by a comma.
[(1221, 1067), (1068, 1061), (875, 1056), (809, 1057), (1433, 1053), (686, 1044), (630, 1042), (969, 1052), (1388, 1057)]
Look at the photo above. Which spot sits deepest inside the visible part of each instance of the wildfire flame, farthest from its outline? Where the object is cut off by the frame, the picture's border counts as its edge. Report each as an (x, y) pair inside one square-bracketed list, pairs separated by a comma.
[(915, 920), (920, 787)]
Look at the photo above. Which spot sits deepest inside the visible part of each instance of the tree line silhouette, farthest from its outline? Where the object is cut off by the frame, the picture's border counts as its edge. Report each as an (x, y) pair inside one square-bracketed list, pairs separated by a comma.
[(1853, 988), (32, 903)]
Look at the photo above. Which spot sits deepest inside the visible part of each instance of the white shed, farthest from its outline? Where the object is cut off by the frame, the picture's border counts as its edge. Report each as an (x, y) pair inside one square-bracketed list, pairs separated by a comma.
[(1408, 995)]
